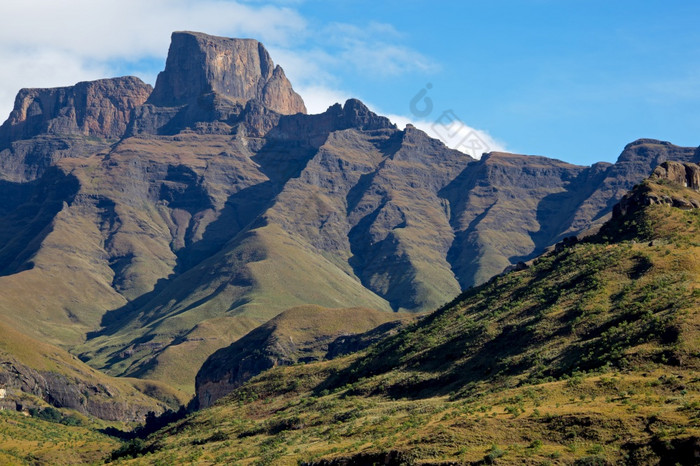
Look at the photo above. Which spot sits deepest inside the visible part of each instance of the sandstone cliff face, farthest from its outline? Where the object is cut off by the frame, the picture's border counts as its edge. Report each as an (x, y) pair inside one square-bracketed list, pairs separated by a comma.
[(49, 124), (96, 109), (239, 69), (210, 79)]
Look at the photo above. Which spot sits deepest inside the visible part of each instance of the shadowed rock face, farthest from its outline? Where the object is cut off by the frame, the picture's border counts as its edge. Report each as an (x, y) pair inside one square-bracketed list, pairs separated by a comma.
[(61, 391), (237, 69)]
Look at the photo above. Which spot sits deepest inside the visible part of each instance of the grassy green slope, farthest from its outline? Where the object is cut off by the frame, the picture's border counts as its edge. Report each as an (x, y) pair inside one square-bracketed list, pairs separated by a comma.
[(29, 440), (35, 373), (589, 355), (299, 335), (264, 273)]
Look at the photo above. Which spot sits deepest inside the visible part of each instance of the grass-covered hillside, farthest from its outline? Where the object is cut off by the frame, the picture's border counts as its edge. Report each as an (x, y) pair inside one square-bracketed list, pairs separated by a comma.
[(51, 437), (300, 335), (589, 355), (54, 408), (35, 374)]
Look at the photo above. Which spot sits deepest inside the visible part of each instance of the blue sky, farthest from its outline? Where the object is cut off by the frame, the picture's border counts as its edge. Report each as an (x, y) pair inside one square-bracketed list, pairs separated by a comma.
[(570, 79)]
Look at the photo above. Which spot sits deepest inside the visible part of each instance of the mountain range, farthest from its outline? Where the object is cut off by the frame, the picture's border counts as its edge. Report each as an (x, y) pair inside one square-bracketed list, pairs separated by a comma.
[(142, 229)]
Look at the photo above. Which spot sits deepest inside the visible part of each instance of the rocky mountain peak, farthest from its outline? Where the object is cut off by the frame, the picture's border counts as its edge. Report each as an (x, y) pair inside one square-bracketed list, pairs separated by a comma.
[(352, 115), (355, 114), (652, 152), (237, 69)]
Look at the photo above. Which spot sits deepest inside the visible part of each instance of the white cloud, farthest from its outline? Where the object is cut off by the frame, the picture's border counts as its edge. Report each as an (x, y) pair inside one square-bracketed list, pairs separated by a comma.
[(305, 67), (44, 68), (132, 28), (374, 49), (319, 98)]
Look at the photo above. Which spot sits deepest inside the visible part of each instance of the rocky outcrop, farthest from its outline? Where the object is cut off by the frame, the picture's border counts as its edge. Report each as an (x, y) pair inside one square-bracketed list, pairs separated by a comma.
[(539, 201), (34, 373), (98, 109), (47, 125), (209, 80), (652, 191), (612, 181), (685, 174), (61, 391)]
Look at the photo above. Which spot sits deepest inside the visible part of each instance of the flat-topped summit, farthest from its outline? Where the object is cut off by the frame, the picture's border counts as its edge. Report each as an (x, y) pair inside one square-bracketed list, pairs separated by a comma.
[(47, 125), (93, 108), (238, 69)]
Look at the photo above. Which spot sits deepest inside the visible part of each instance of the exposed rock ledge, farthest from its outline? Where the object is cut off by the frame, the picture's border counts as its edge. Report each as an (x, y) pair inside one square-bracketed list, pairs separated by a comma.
[(686, 174), (679, 173)]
